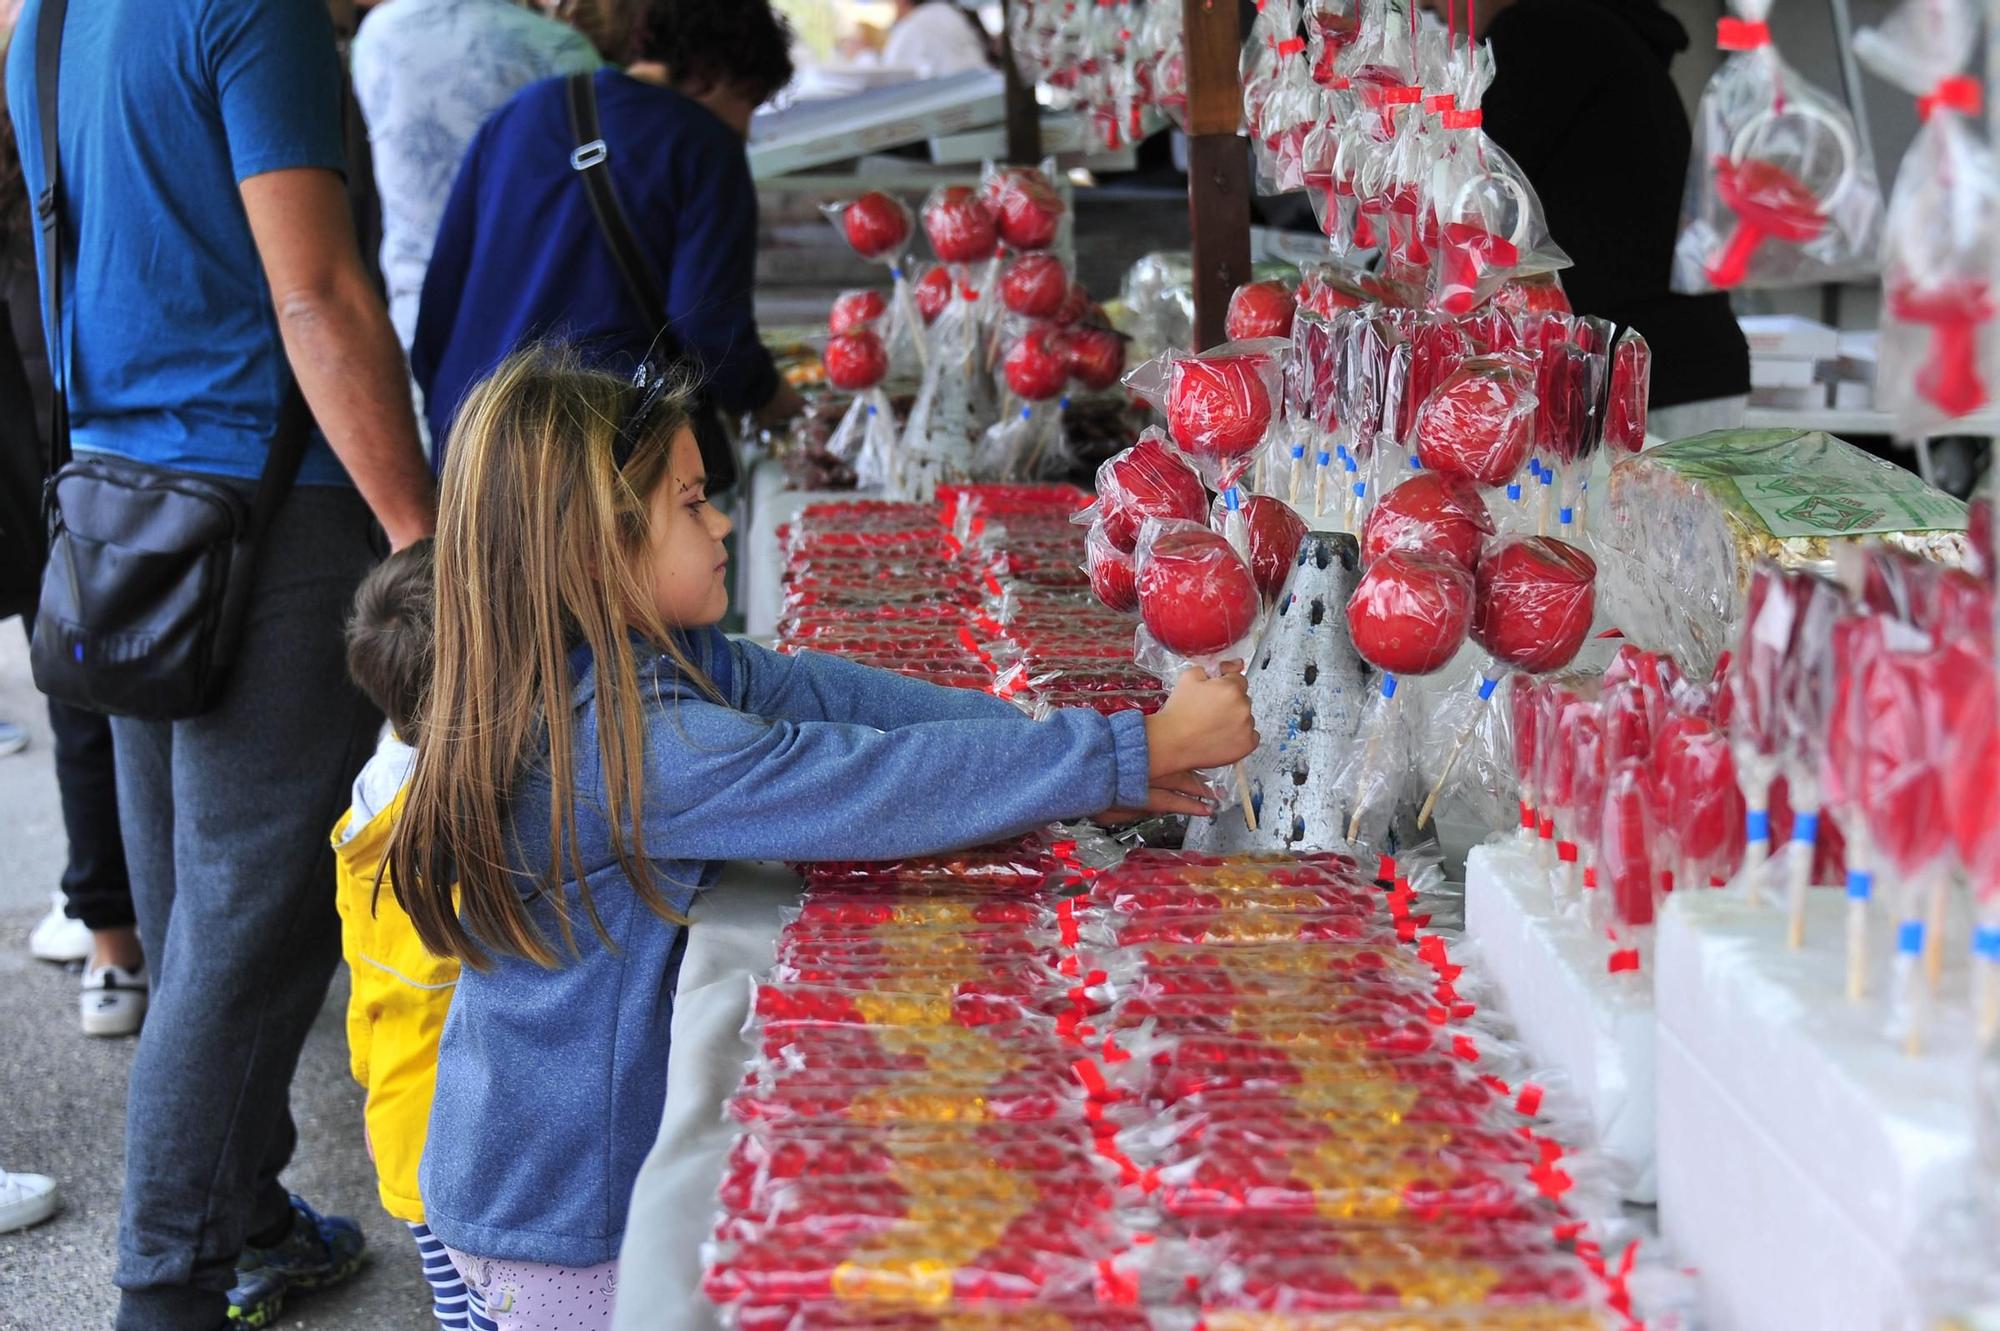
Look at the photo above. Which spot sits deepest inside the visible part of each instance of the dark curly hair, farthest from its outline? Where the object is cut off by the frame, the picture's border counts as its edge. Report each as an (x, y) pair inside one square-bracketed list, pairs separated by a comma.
[(721, 42)]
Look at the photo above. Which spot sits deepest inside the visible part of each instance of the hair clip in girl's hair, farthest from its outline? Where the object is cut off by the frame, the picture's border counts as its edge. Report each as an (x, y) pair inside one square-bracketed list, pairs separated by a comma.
[(652, 383)]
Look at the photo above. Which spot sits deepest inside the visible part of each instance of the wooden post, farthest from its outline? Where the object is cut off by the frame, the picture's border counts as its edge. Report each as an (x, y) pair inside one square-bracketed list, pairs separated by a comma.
[(1218, 163), (1024, 115)]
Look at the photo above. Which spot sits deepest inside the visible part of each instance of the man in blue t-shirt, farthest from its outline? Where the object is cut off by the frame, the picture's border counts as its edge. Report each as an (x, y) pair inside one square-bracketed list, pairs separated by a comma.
[(519, 256), (208, 259)]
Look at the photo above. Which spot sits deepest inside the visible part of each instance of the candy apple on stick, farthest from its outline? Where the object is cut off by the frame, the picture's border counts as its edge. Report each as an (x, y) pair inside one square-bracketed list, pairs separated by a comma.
[(1408, 615), (879, 228), (1036, 372), (1479, 423), (1535, 600), (1270, 533), (857, 362), (1704, 804), (1857, 640), (1259, 310), (1436, 512), (1148, 480)]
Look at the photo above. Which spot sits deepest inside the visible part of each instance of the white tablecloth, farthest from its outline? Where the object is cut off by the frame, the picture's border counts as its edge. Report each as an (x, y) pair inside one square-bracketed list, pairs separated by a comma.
[(733, 927)]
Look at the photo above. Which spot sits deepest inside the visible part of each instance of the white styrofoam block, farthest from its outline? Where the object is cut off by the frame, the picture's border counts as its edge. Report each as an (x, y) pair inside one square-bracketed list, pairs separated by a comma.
[(1865, 1132), (1566, 1006), (1783, 371), (1789, 335)]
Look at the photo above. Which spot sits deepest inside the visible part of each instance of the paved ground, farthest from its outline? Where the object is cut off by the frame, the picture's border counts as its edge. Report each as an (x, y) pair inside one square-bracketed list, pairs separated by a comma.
[(62, 1096)]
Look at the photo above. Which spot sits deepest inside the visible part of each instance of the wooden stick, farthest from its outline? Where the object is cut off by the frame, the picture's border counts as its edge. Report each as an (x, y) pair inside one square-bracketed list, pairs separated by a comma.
[(1243, 794), (1939, 902), (1457, 747), (1989, 1002), (1368, 765), (1857, 948)]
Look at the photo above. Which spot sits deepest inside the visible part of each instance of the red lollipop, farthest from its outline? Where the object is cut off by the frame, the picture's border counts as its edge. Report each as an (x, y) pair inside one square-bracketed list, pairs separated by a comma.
[(855, 309), (1196, 595), (1769, 202), (1950, 379), (1708, 810), (1631, 387), (1432, 511), (1112, 576), (933, 293), (1275, 533), (1096, 356), (1625, 844), (1147, 480), (1034, 285), (1536, 599), (1035, 367), (1582, 734), (876, 225), (855, 361), (1219, 406), (960, 227), (1903, 792), (1258, 310), (1479, 423), (1628, 729), (1410, 612)]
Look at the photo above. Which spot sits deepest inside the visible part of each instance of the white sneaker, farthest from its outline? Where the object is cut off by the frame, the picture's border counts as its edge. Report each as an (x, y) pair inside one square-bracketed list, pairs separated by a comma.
[(114, 1000), (57, 937), (12, 738), (25, 1199)]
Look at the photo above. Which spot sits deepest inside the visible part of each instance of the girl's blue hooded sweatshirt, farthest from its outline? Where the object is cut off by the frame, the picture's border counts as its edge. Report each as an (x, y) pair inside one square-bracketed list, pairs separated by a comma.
[(551, 1083)]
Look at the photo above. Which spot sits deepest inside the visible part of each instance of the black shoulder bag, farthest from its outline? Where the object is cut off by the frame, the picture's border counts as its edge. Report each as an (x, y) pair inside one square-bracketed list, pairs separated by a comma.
[(588, 161), (149, 572)]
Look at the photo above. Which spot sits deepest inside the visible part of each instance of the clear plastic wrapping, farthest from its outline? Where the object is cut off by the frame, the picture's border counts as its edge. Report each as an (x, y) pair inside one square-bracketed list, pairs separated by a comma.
[(1410, 612), (1434, 512), (1480, 422), (1259, 310), (1630, 391), (1148, 480), (1220, 406), (1198, 598), (1535, 602)]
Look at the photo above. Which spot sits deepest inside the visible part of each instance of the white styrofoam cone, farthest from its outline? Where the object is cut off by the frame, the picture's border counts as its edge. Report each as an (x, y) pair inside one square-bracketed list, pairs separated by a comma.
[(1308, 690)]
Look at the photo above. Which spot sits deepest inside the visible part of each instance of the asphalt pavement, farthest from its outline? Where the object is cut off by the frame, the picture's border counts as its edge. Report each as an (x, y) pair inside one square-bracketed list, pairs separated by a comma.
[(62, 1096)]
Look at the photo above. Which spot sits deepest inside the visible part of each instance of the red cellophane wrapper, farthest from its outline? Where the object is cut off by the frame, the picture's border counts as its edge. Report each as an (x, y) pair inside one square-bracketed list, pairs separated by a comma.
[(1631, 389), (1479, 423), (1220, 406), (1198, 598), (1778, 192), (1627, 845), (1941, 246), (1904, 697), (1536, 598), (1151, 479), (1433, 512), (1410, 612)]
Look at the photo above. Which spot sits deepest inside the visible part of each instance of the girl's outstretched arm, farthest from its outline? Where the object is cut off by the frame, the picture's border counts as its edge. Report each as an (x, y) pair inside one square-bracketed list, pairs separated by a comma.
[(813, 686), (722, 784)]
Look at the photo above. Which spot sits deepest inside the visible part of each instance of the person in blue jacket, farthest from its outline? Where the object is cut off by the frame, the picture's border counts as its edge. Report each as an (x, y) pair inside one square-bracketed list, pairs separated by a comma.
[(592, 752), (519, 256)]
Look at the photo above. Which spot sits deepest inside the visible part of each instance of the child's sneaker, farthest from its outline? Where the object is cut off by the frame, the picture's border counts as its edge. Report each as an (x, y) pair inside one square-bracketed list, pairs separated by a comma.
[(57, 937), (114, 1000), (321, 1250), (25, 1199)]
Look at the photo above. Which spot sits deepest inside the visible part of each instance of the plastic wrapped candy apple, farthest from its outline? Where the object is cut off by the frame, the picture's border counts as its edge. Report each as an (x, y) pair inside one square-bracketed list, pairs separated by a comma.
[(1631, 388), (1112, 576), (1435, 512), (1034, 286), (1220, 406), (1805, 710), (1027, 208), (1270, 533), (960, 226), (1939, 359), (879, 228), (1699, 802), (1147, 480), (1027, 440), (932, 292), (1095, 356), (1260, 310), (1779, 193), (1479, 423), (855, 309), (857, 362)]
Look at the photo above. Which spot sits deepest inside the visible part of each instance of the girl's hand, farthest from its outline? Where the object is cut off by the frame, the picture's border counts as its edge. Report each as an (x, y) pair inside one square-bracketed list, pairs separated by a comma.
[(1177, 792), (1206, 723)]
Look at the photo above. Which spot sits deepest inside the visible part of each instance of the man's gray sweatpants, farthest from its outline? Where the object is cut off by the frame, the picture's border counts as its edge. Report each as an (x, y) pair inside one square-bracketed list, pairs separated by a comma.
[(226, 820)]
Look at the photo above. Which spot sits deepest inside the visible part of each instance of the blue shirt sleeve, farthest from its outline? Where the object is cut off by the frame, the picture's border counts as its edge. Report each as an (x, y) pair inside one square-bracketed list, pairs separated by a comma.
[(710, 290), (725, 785), (813, 686), (276, 76)]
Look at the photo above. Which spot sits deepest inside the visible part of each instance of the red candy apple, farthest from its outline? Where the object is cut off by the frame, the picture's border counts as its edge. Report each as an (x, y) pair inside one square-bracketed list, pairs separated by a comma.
[(933, 293), (1096, 356), (855, 309), (1259, 309), (1409, 613), (1026, 208), (1196, 595), (960, 227), (856, 360), (1034, 285), (1479, 423), (1147, 480), (1078, 306), (1275, 533), (876, 225), (1112, 576), (1218, 406), (1432, 511), (1035, 367), (1536, 599)]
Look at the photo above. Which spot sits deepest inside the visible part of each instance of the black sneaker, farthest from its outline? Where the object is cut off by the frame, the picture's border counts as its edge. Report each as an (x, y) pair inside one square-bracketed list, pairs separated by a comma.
[(321, 1250)]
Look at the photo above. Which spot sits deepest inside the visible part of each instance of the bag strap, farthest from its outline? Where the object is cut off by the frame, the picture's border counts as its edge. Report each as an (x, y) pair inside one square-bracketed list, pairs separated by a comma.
[(588, 161), (288, 447)]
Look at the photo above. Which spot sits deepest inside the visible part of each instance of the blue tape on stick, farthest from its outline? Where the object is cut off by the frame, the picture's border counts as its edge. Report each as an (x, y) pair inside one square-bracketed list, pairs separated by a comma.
[(1233, 497), (1388, 686), (1361, 489), (1299, 451), (1757, 825), (1986, 942), (1514, 493), (1910, 937), (1323, 459), (1486, 687), (1860, 884), (1565, 516), (1806, 828)]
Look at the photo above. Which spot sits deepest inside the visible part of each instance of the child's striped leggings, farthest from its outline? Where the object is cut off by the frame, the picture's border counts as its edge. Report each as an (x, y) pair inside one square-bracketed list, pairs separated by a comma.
[(456, 1307)]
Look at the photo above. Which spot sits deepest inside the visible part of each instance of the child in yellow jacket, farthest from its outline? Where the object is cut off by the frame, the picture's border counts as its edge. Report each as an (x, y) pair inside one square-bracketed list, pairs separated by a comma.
[(400, 992)]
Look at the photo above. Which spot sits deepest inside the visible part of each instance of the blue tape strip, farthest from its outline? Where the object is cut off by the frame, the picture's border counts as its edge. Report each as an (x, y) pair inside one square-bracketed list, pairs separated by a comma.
[(1347, 461), (1514, 493), (1805, 828), (1986, 942), (1388, 686), (1910, 937), (896, 273), (1486, 687), (1299, 451), (1416, 463), (871, 408), (1323, 459), (1860, 885), (1361, 489), (1757, 825), (1027, 412), (1233, 497), (1565, 516)]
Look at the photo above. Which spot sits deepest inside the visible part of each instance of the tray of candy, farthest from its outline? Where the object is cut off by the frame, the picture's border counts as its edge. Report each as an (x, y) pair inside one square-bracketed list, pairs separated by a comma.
[(827, 906), (824, 1209), (958, 947), (1232, 926), (1525, 1317), (1174, 966), (819, 1058), (1027, 862), (759, 1159), (776, 1002), (1359, 1181), (1149, 865), (1034, 1101), (833, 1044)]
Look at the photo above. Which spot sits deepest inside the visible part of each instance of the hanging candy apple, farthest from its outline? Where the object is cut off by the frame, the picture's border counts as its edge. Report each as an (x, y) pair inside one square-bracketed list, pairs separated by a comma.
[(1035, 366), (1410, 612), (1096, 356), (960, 227), (1275, 534), (1147, 480), (856, 360), (1479, 423), (1196, 595), (855, 309), (1112, 576), (1260, 309), (1219, 406), (1434, 512), (876, 225), (933, 293), (1034, 285), (1536, 599)]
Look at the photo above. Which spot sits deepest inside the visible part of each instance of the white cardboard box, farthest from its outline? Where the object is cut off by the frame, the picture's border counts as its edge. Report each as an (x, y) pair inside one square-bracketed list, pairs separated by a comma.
[(1803, 1157), (1568, 1009), (1789, 335)]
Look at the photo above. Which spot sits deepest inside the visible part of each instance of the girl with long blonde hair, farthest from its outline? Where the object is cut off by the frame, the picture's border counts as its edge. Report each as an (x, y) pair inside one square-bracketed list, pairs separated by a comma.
[(592, 749)]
